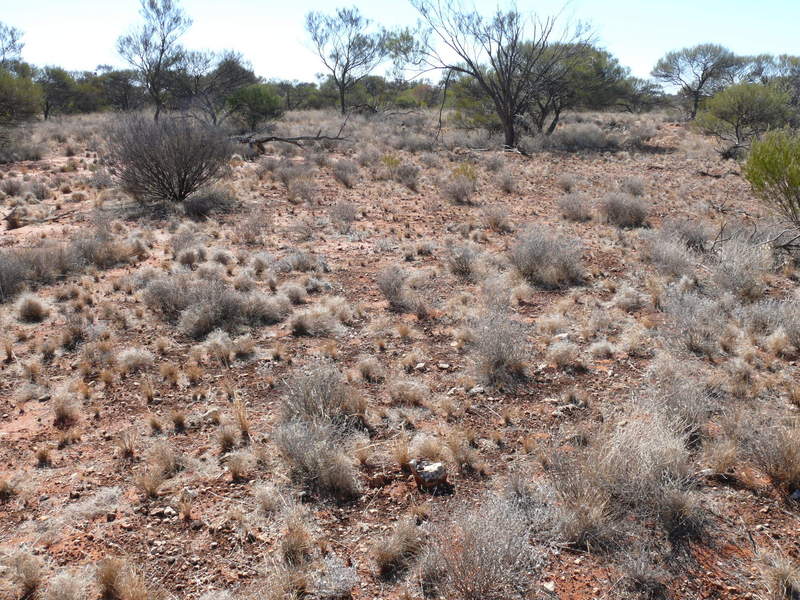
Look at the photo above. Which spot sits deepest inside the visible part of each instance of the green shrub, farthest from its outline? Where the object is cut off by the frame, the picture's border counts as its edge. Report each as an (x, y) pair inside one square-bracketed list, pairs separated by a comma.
[(20, 98), (254, 104), (773, 170), (741, 113)]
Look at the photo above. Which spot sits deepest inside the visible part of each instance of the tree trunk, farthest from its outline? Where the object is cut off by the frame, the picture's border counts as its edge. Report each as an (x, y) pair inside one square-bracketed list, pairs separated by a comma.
[(695, 104), (341, 100), (509, 133), (554, 122), (158, 111)]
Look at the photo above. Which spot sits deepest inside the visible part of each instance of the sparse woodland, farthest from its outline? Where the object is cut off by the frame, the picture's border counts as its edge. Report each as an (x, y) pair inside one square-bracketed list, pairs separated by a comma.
[(398, 356)]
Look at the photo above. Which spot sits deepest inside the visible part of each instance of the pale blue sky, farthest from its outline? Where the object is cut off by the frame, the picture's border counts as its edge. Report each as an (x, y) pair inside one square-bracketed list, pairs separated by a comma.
[(270, 33)]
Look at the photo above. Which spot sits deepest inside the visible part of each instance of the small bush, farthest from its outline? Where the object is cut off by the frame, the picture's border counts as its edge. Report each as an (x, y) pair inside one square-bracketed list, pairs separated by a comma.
[(484, 553), (499, 347), (392, 284), (394, 553), (167, 160), (776, 450), (320, 395), (31, 309), (547, 260), (204, 203), (313, 453), (624, 210), (346, 172), (633, 186), (507, 182), (343, 214), (575, 207), (459, 190), (408, 175), (581, 137), (462, 260)]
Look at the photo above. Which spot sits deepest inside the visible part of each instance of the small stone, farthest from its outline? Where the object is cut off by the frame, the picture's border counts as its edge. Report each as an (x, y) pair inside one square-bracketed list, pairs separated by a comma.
[(420, 366), (443, 366), (550, 586), (428, 474)]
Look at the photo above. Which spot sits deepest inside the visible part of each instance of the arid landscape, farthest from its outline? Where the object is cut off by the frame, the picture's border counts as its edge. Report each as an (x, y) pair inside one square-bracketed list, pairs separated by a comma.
[(630, 394), (529, 330)]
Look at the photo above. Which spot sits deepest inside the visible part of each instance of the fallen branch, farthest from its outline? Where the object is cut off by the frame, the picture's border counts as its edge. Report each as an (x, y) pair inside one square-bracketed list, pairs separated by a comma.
[(258, 141), (705, 173)]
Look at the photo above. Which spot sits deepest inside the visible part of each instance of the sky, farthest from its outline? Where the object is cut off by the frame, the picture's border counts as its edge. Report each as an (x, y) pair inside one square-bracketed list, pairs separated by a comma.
[(271, 34)]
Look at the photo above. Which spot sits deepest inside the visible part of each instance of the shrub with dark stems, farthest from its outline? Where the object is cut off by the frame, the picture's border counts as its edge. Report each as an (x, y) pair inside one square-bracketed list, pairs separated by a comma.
[(166, 160)]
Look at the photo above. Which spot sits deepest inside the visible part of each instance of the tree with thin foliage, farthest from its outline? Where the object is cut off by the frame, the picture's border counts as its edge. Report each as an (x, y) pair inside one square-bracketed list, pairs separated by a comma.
[(11, 45), (509, 55), (152, 49), (206, 81), (351, 48), (699, 71)]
